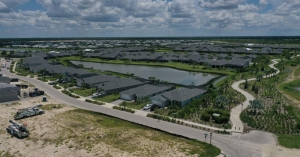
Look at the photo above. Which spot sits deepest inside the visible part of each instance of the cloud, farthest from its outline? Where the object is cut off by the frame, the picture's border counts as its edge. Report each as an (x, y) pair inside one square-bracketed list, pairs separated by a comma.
[(151, 17), (7, 6), (220, 4), (247, 8), (263, 3), (102, 18), (4, 8)]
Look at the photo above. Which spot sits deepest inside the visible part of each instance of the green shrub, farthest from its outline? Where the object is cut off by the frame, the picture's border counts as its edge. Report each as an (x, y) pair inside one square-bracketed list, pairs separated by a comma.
[(124, 109), (70, 94), (94, 102)]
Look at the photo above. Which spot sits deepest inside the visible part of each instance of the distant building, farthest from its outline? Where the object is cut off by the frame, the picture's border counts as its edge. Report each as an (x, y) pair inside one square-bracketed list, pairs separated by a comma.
[(144, 91), (9, 92), (180, 96)]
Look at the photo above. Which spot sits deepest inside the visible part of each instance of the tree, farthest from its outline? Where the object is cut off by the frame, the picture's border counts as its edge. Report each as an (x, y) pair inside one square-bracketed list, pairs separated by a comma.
[(3, 53), (246, 84), (255, 105), (259, 77), (221, 101)]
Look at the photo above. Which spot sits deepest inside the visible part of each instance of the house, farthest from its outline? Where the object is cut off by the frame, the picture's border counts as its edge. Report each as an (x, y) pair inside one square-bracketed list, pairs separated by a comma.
[(218, 63), (180, 96), (118, 85), (238, 63), (144, 91), (9, 92), (93, 81)]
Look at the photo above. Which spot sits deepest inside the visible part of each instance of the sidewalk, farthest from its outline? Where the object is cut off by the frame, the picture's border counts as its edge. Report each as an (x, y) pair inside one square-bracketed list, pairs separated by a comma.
[(237, 124)]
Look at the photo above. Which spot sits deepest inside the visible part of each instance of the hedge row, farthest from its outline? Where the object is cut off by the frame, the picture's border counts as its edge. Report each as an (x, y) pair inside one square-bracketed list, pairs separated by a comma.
[(168, 119), (56, 87), (164, 118), (222, 132), (94, 102), (124, 109), (70, 94)]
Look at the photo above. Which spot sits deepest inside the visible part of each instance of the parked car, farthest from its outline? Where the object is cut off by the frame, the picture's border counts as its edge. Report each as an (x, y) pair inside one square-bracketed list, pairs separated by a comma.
[(96, 95), (147, 107), (153, 107)]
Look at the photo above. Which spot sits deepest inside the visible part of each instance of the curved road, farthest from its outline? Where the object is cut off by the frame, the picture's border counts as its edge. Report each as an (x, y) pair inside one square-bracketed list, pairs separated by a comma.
[(253, 144), (237, 125)]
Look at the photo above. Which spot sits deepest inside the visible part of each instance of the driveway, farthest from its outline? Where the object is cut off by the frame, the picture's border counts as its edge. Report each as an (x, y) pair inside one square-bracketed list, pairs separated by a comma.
[(117, 102)]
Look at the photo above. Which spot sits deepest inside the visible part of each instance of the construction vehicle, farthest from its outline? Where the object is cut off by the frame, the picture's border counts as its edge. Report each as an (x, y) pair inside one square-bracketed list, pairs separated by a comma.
[(29, 111), (16, 129)]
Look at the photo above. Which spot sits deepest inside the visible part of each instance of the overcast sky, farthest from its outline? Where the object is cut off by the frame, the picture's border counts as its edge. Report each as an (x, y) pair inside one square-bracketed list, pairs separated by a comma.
[(148, 18)]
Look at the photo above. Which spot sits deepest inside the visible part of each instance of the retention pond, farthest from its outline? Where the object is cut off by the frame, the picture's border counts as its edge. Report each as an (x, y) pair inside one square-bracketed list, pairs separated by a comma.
[(163, 73)]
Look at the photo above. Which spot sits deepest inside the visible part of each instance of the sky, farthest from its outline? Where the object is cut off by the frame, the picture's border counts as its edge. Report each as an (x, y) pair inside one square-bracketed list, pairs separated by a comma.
[(148, 18)]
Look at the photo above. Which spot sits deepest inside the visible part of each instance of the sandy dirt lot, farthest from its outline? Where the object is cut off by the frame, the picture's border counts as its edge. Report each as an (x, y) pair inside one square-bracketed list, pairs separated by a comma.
[(69, 132)]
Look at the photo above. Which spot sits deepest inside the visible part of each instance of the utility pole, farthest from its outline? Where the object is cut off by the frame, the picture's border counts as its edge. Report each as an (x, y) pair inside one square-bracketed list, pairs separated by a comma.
[(210, 138)]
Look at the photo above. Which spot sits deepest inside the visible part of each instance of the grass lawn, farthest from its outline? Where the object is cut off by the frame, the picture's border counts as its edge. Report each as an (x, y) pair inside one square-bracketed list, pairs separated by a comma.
[(289, 141), (175, 65), (297, 72), (83, 92), (87, 130), (108, 98), (134, 105), (289, 88)]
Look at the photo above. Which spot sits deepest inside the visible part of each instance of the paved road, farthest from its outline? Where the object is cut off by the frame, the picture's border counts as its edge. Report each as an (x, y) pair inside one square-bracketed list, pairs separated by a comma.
[(237, 124), (253, 144)]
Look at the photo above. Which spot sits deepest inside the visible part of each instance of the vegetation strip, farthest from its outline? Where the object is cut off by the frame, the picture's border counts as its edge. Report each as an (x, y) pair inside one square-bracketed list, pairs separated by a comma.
[(94, 102), (70, 94), (123, 109)]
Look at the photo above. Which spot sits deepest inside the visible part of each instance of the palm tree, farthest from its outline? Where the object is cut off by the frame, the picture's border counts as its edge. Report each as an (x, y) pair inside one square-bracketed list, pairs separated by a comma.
[(255, 105), (259, 77), (221, 101)]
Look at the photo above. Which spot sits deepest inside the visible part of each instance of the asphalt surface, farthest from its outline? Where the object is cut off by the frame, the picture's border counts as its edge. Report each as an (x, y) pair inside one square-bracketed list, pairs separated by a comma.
[(252, 144)]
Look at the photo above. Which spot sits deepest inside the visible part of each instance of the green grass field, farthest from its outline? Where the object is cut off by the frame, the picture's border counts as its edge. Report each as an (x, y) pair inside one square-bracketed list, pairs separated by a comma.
[(108, 98), (83, 92), (289, 141), (175, 65), (290, 88)]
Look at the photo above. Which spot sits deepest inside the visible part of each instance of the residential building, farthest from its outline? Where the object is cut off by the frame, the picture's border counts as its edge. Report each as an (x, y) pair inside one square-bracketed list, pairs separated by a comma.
[(180, 96), (144, 91)]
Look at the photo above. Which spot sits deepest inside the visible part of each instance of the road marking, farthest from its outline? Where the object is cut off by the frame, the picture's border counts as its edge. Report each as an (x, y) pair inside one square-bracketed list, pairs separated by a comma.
[(239, 137)]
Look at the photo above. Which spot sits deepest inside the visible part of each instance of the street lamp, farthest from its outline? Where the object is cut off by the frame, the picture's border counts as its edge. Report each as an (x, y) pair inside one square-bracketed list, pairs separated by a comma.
[(210, 138), (205, 135)]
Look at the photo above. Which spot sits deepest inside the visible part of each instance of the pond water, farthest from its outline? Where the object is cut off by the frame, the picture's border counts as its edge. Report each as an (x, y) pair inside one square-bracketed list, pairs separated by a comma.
[(162, 73)]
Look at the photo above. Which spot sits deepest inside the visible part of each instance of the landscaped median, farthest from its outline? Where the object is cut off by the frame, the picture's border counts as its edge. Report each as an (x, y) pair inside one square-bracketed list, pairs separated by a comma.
[(124, 109), (94, 102), (172, 120), (70, 94)]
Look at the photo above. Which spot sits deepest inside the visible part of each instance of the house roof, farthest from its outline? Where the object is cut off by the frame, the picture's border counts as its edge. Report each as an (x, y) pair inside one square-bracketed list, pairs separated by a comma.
[(5, 85), (119, 83), (96, 79), (4, 80), (182, 94), (238, 62), (219, 62), (146, 90)]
